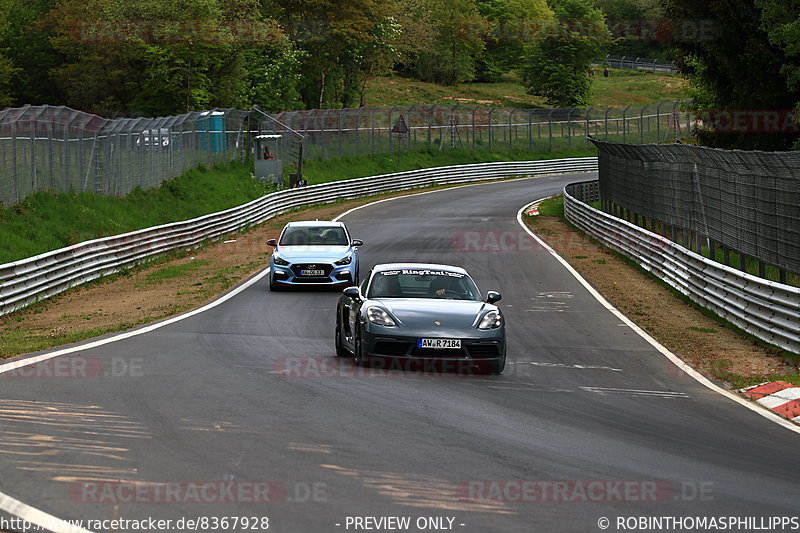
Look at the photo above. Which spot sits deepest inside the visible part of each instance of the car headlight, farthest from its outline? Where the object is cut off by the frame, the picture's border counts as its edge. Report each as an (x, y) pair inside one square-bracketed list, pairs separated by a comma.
[(280, 261), (378, 316), (344, 261), (491, 320)]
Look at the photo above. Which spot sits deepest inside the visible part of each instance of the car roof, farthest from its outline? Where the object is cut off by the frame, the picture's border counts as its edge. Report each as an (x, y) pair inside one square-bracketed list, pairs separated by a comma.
[(316, 223), (429, 266)]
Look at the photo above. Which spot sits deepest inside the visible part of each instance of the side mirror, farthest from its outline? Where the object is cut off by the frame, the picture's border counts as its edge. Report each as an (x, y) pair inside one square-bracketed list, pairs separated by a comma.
[(357, 242), (492, 297), (272, 242), (351, 292)]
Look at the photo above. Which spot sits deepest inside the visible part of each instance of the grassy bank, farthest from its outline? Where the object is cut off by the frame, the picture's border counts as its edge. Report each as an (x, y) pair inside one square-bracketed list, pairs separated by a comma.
[(621, 88), (47, 221)]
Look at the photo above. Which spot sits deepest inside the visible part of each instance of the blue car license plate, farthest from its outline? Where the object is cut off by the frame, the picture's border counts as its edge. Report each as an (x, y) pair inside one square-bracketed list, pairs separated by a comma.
[(439, 344), (315, 273)]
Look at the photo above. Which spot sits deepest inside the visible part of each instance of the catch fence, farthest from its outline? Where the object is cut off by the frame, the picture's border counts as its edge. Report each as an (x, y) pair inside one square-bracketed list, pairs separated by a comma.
[(375, 130), (60, 149), (730, 205)]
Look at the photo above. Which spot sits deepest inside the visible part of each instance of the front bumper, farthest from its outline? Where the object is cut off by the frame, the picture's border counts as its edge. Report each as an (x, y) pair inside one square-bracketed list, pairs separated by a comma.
[(333, 275), (484, 348)]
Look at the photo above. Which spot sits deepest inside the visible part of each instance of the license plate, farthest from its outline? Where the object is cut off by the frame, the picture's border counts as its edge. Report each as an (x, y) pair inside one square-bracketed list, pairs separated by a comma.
[(312, 273), (439, 344)]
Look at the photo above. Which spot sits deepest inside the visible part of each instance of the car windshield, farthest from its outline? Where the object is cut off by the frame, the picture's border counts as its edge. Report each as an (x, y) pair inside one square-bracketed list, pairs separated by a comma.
[(423, 283), (314, 235)]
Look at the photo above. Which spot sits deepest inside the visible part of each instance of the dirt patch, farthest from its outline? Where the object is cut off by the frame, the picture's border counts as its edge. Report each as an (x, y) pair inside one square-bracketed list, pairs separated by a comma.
[(703, 342), (184, 280)]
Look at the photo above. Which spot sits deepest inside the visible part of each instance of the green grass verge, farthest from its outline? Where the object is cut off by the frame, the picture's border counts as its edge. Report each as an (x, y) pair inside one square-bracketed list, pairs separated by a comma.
[(555, 207), (552, 207), (47, 221)]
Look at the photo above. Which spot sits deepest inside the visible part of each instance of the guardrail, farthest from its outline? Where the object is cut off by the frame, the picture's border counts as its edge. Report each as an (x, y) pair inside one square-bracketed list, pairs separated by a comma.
[(765, 309), (638, 63), (29, 280)]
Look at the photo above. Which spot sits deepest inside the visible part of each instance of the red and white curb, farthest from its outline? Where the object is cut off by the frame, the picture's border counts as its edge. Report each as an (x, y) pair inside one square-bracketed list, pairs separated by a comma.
[(533, 209), (783, 398)]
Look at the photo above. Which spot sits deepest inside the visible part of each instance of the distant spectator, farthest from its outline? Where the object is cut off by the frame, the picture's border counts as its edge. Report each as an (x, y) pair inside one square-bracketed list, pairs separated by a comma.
[(267, 154)]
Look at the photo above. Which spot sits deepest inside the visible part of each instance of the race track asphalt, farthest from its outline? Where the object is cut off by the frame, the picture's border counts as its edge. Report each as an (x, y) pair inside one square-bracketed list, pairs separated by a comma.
[(588, 420)]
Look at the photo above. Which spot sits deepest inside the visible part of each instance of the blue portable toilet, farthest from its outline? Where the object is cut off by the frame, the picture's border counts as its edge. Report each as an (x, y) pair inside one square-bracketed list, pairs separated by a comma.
[(211, 131)]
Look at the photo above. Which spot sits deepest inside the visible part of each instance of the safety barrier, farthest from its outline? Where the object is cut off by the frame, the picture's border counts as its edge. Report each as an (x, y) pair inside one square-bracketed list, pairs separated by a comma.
[(763, 308), (29, 280)]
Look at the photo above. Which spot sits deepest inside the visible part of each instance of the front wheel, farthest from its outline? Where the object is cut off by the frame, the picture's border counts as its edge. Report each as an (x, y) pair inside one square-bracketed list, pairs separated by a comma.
[(358, 353), (497, 367), (340, 351)]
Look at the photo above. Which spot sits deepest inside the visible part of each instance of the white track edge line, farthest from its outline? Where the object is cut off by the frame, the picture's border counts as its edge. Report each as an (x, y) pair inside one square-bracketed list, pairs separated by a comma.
[(766, 413), (22, 510), (30, 514), (27, 361)]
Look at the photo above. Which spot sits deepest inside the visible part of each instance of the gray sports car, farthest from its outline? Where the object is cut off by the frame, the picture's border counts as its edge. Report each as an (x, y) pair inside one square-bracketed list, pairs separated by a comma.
[(405, 313)]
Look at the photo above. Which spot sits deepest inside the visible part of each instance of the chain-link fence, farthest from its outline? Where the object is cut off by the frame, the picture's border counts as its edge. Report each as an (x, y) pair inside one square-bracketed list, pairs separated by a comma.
[(728, 204), (638, 63), (60, 149), (373, 130)]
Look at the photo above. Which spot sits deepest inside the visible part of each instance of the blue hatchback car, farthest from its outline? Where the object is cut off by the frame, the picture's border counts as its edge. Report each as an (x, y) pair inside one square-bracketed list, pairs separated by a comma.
[(314, 253)]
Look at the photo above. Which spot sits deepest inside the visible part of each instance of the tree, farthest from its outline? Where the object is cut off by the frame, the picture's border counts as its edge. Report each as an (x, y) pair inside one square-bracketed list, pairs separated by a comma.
[(558, 66), (748, 63), (339, 40), (457, 28), (637, 27), (508, 23), (156, 58), (27, 52), (273, 77)]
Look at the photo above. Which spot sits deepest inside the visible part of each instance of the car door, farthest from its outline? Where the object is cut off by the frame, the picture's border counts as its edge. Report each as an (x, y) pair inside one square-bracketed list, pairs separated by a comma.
[(351, 310)]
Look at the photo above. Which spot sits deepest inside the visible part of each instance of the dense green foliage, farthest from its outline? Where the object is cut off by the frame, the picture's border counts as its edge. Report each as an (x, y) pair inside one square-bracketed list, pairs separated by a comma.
[(749, 60), (558, 67), (150, 57)]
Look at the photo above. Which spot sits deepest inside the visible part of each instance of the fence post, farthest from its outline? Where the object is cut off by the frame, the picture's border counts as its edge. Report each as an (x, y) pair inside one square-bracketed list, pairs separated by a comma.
[(474, 127), (491, 134), (14, 172), (658, 122), (550, 129), (641, 125), (322, 131), (372, 129), (511, 130), (624, 123), (339, 124)]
